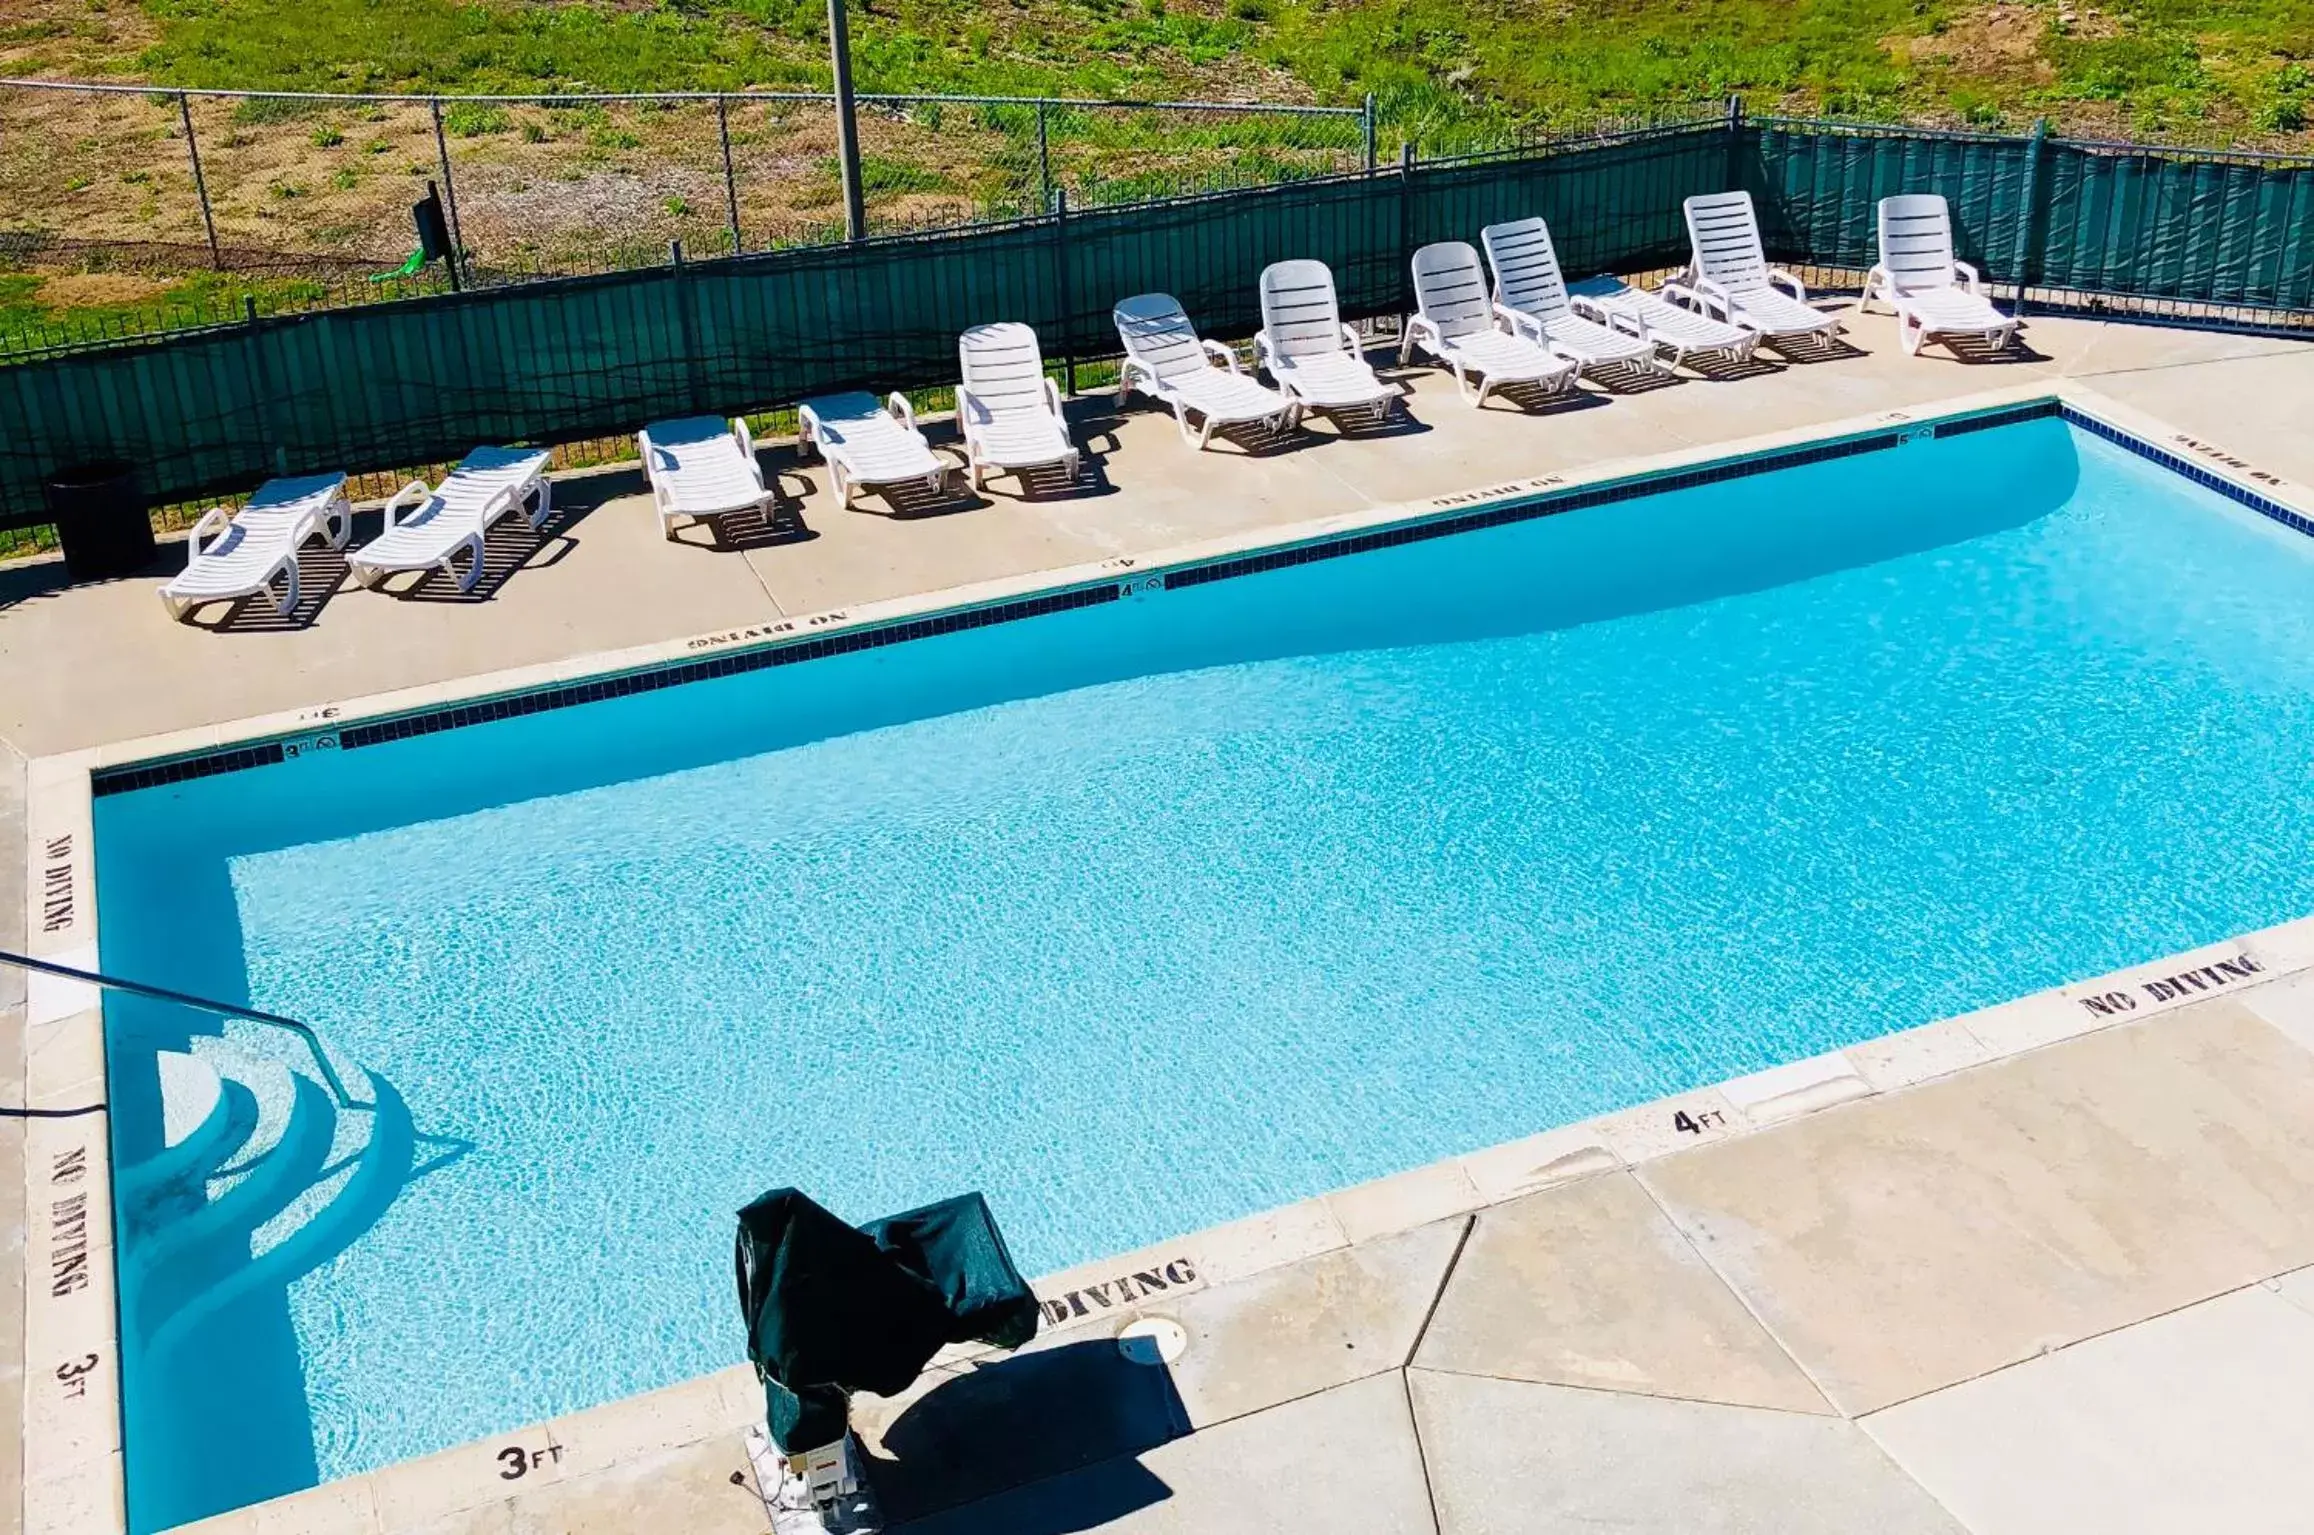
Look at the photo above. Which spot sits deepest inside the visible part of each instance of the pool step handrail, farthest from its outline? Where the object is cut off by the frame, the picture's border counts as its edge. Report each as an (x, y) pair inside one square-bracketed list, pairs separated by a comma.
[(304, 1031)]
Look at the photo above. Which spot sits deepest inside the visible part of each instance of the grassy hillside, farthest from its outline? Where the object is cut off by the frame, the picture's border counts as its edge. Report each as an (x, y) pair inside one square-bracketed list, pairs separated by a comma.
[(2210, 70), (2204, 71)]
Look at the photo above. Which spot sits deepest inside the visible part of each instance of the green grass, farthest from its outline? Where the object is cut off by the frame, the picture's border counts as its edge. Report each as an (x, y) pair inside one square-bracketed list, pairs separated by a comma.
[(1450, 73), (2204, 68), (33, 315)]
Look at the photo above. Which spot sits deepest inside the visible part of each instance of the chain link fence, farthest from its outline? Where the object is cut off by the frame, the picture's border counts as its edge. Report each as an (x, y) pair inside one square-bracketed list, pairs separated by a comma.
[(304, 199)]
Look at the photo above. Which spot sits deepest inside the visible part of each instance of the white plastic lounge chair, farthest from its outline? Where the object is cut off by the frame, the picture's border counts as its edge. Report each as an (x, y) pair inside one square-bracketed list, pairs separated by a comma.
[(1933, 294), (1314, 357), (1731, 276), (1007, 409), (701, 468), (233, 555), (429, 529), (1672, 317), (1454, 322), (1531, 294), (867, 444), (1166, 360)]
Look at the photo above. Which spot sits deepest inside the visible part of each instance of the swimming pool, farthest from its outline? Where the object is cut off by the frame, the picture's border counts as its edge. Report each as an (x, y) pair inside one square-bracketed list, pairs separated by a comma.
[(1141, 914)]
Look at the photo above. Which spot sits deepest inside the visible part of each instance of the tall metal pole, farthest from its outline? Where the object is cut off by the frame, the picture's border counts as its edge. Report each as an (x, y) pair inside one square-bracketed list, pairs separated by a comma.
[(730, 180), (1369, 119), (200, 184), (2029, 205), (449, 186), (1044, 161), (847, 130)]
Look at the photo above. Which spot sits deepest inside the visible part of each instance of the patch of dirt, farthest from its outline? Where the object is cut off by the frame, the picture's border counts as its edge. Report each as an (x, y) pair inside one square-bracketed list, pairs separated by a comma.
[(69, 39), (74, 290), (2001, 42)]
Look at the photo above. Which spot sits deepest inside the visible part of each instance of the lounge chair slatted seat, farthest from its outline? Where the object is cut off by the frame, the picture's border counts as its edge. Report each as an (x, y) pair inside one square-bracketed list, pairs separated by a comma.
[(1531, 294), (234, 555), (701, 468), (1455, 322), (1007, 407), (1313, 356), (1731, 277), (429, 529), (1673, 319), (1167, 360), (1933, 293), (869, 445)]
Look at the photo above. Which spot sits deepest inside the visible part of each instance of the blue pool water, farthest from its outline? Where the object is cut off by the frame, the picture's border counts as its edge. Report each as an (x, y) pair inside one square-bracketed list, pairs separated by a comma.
[(1146, 916)]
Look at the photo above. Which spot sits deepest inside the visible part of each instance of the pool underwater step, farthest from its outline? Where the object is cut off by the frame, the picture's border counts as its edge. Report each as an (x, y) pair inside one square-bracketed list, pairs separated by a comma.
[(271, 1180), (223, 1117)]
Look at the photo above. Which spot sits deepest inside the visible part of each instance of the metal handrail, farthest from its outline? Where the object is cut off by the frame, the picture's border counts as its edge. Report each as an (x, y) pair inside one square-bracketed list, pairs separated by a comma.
[(304, 1031)]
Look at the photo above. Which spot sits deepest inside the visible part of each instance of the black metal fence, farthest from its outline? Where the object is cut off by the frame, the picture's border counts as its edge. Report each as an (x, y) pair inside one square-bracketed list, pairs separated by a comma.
[(2217, 238)]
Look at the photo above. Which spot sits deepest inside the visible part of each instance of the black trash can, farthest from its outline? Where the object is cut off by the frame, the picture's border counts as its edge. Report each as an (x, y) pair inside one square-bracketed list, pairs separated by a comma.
[(101, 521)]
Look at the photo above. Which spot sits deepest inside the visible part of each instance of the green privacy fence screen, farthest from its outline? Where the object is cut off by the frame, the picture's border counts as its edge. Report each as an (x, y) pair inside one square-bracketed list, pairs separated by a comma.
[(420, 382), (2163, 228)]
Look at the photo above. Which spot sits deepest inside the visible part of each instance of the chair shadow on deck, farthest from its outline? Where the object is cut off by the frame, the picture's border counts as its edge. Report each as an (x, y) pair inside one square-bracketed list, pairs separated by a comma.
[(1038, 1443), (1821, 346), (1973, 351), (322, 573), (1719, 368)]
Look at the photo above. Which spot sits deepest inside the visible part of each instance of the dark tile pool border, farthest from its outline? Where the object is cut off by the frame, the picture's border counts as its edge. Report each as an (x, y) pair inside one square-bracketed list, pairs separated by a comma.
[(789, 650)]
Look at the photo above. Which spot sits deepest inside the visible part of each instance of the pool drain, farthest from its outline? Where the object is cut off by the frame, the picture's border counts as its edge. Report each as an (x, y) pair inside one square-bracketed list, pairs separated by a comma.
[(1152, 1340)]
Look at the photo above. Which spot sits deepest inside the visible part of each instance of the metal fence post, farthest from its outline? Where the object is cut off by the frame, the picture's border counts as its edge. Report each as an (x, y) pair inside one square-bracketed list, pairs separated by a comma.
[(730, 179), (1735, 142), (1068, 306), (1406, 153), (847, 127), (449, 185), (2028, 214), (694, 366), (268, 442), (200, 182), (1044, 159), (1367, 117)]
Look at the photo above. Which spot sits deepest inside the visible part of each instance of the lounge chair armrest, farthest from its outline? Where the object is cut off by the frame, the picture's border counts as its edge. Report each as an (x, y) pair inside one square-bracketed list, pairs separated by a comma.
[(969, 410), (1520, 322), (1222, 354), (1263, 355), (1968, 278), (1614, 319), (1350, 340), (1420, 327), (215, 523), (1713, 298), (897, 405), (1133, 373), (746, 436), (1875, 282), (1053, 397), (1779, 278), (415, 494)]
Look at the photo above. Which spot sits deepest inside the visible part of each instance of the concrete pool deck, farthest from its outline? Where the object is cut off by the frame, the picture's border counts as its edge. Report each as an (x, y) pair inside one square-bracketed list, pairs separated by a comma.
[(2082, 1247), (2071, 1289), (102, 663)]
